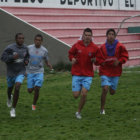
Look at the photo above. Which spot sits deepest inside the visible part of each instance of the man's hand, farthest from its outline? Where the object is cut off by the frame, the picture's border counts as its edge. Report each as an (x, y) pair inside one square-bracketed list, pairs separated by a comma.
[(73, 61), (93, 60), (52, 71), (26, 62), (116, 62), (15, 55), (103, 63)]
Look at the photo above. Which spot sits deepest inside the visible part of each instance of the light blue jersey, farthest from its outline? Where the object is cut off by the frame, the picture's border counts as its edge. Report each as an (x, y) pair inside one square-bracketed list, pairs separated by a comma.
[(36, 59)]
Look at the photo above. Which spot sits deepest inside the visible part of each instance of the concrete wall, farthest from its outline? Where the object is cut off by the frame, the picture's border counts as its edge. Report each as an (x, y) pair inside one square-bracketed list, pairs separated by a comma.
[(9, 26)]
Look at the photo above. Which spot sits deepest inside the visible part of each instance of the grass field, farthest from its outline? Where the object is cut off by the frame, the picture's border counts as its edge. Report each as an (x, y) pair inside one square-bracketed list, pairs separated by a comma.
[(55, 119)]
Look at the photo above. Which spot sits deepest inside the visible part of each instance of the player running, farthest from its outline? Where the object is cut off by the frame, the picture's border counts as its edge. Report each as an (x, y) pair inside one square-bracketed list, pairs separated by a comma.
[(82, 55), (35, 69), (16, 57), (113, 55)]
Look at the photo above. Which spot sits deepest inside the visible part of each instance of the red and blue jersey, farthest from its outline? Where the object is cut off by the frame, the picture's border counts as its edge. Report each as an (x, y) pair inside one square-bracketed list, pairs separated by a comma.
[(120, 54), (83, 55)]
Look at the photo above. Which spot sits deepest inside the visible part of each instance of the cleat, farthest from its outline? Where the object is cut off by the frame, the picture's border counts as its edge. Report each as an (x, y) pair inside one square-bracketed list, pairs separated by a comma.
[(13, 113), (102, 112), (33, 107), (78, 115), (9, 101)]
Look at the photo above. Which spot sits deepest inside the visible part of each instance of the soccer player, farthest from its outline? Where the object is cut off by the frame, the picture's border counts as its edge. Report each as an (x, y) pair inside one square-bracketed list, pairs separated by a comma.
[(114, 54), (35, 69), (16, 57), (82, 55)]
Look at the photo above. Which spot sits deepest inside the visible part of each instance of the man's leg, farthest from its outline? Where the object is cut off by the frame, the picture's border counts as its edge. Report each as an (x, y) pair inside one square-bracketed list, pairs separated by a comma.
[(112, 91), (85, 83), (76, 94), (16, 94), (103, 96), (76, 86), (15, 99), (18, 81), (36, 94), (30, 90), (82, 99), (10, 84), (105, 83), (38, 82), (9, 92), (83, 94), (114, 84), (30, 82)]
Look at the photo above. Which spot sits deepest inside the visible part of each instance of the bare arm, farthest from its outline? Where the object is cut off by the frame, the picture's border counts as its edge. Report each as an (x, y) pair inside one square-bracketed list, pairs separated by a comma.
[(49, 65)]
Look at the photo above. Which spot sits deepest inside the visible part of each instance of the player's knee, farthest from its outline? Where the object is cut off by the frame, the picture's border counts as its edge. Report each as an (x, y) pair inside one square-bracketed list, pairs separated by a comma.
[(30, 90), (105, 89), (36, 88), (10, 89), (112, 92), (75, 95), (84, 95), (17, 86), (84, 92)]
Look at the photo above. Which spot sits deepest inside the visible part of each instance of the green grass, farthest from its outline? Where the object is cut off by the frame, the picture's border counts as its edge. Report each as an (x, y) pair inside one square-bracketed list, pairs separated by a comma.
[(55, 119)]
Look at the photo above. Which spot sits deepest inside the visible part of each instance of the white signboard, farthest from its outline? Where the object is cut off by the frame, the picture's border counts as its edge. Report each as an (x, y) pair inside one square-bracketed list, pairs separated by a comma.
[(76, 4)]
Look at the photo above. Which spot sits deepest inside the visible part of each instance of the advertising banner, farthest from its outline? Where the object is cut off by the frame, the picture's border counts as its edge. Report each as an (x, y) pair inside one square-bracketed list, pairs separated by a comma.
[(76, 4)]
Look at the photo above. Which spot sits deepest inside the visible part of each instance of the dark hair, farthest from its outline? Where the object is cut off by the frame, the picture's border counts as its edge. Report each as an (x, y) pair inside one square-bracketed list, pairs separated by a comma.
[(17, 34), (110, 30), (39, 35), (87, 30)]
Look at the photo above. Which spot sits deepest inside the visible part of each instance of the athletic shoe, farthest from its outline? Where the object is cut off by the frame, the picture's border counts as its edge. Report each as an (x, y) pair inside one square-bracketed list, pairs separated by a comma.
[(13, 113), (52, 71), (102, 112), (78, 115), (33, 107), (9, 101)]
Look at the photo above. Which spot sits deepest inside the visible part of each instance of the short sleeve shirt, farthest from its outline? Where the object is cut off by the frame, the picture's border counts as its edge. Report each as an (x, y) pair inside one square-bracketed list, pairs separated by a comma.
[(37, 56)]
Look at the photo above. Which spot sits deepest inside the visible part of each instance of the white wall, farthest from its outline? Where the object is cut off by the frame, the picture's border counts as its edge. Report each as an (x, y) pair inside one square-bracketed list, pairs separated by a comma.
[(78, 4)]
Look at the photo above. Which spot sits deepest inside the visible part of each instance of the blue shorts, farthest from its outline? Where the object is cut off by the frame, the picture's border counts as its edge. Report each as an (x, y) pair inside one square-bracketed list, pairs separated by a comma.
[(81, 81), (35, 79), (12, 80), (110, 81)]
